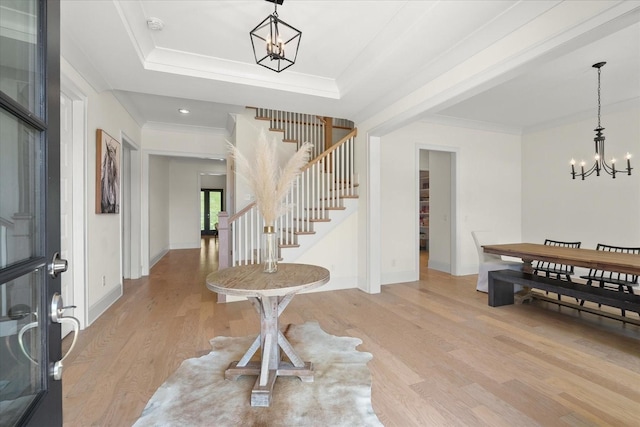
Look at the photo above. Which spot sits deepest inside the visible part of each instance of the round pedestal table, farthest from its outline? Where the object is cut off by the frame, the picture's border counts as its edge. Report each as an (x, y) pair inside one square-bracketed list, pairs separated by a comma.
[(270, 293)]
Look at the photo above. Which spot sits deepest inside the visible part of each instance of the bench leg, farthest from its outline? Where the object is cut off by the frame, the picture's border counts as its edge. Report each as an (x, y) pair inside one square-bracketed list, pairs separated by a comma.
[(500, 292)]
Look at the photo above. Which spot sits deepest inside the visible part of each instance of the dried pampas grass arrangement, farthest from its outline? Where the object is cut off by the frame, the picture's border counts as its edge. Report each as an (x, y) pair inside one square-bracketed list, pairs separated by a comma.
[(269, 183)]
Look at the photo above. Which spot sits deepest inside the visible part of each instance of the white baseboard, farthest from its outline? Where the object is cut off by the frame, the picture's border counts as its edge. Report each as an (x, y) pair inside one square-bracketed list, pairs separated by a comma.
[(467, 269), (186, 245), (103, 304), (336, 284), (399, 277), (157, 258), (440, 266)]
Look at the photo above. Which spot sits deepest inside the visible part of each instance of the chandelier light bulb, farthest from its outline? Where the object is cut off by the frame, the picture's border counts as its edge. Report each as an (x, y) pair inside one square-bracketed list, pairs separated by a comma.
[(582, 163), (573, 162)]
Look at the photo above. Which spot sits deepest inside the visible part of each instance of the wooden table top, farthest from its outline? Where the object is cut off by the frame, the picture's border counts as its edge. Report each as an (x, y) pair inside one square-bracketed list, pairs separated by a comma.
[(252, 281), (588, 258)]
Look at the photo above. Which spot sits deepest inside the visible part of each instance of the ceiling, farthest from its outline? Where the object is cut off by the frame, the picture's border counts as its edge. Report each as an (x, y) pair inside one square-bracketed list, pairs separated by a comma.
[(355, 58)]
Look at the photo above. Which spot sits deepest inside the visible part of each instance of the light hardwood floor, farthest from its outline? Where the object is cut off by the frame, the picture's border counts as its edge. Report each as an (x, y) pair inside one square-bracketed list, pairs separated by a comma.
[(442, 357)]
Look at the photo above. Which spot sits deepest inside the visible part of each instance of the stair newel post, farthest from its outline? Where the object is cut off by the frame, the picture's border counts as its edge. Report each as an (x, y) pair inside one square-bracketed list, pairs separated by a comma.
[(224, 240), (328, 132)]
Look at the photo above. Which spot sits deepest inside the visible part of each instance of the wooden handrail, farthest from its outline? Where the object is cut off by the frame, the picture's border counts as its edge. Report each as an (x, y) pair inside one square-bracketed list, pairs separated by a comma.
[(241, 212), (328, 151), (7, 223)]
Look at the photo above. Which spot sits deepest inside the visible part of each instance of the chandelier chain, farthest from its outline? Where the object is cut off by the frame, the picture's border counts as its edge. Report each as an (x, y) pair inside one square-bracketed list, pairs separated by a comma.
[(599, 70)]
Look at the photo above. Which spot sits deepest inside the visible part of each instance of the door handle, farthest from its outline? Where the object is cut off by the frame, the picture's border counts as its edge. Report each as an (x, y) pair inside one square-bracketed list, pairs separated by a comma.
[(57, 311), (57, 266), (57, 367)]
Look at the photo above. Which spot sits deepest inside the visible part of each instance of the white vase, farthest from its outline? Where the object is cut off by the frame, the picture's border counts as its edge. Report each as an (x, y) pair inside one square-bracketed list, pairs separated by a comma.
[(270, 249)]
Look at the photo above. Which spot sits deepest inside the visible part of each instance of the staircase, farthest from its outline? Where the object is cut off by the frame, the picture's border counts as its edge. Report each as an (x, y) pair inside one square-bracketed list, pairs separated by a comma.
[(321, 192)]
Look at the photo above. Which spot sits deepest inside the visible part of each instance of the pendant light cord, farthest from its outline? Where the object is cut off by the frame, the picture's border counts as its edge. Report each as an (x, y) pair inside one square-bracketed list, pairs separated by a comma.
[(599, 70)]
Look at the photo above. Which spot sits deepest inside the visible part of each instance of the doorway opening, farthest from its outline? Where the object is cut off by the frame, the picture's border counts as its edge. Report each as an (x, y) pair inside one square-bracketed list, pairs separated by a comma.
[(435, 202), (211, 204)]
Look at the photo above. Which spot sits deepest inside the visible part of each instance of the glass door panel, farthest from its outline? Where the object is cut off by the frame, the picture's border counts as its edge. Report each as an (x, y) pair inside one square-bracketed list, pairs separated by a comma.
[(21, 262), (203, 212), (19, 44), (215, 206), (20, 209), (21, 351)]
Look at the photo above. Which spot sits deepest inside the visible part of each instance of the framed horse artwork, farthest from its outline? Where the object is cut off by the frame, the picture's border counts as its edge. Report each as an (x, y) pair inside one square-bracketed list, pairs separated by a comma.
[(107, 173)]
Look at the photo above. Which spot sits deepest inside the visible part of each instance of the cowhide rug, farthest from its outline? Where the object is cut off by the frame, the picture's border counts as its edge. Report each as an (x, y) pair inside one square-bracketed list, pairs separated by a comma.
[(198, 395)]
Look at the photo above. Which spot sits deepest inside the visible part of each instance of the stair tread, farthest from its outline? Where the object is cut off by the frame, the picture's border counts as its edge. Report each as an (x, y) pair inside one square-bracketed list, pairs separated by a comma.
[(276, 130), (345, 184), (328, 208), (298, 232), (346, 196)]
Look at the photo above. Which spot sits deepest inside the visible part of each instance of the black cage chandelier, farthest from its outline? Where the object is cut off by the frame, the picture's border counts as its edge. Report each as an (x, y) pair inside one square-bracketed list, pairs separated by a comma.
[(600, 163), (275, 43)]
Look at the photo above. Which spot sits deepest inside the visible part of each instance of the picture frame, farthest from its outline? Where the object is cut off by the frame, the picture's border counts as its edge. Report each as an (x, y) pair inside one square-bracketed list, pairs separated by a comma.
[(107, 173)]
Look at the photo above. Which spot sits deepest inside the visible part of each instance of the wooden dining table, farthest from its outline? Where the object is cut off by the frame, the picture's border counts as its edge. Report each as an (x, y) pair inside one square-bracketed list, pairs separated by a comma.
[(578, 257)]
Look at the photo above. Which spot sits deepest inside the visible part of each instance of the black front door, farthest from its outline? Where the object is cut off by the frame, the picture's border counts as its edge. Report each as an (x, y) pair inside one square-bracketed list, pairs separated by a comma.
[(30, 342)]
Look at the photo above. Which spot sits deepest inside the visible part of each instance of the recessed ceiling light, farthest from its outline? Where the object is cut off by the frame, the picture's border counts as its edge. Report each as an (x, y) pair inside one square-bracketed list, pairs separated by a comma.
[(155, 24), (183, 111)]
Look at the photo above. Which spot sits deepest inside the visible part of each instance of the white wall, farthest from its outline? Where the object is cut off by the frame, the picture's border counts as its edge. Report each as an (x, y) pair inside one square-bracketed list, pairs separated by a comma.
[(214, 182), (424, 160), (159, 197), (103, 236), (488, 193), (184, 205), (246, 135), (440, 217), (337, 252), (596, 210), (188, 141)]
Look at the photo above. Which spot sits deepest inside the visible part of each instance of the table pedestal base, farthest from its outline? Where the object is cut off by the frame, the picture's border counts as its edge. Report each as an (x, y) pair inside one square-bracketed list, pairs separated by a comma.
[(270, 341), (261, 394)]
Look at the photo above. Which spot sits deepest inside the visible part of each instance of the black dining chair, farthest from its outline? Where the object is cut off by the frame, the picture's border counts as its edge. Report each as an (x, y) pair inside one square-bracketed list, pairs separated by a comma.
[(612, 279), (550, 269)]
